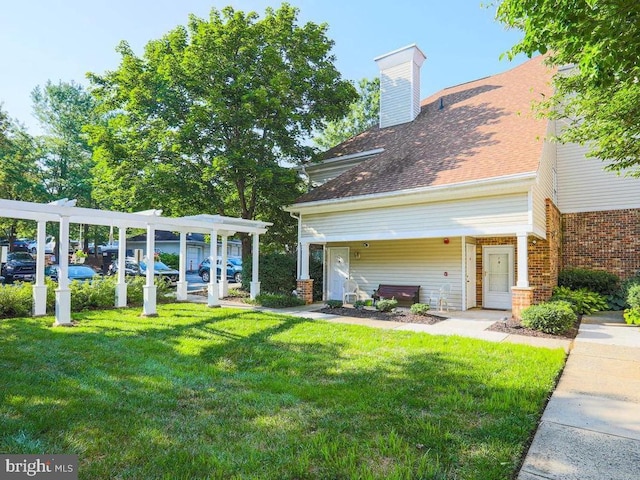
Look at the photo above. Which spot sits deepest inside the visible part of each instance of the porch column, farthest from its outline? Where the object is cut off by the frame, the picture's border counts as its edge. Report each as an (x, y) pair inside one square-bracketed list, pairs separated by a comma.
[(304, 285), (40, 287), (523, 261), (121, 284), (304, 261), (212, 288), (224, 284), (181, 287), (63, 294), (254, 290), (150, 290)]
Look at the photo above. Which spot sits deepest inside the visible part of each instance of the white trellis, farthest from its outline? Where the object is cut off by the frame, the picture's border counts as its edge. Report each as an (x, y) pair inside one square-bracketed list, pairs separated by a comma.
[(66, 213)]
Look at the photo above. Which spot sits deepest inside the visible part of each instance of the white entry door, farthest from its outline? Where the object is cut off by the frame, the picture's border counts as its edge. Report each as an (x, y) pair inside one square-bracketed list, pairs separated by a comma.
[(497, 263), (337, 272), (470, 254)]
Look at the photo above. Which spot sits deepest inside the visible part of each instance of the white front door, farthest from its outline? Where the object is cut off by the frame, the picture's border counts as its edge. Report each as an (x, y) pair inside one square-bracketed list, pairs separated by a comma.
[(337, 272), (497, 264), (470, 255)]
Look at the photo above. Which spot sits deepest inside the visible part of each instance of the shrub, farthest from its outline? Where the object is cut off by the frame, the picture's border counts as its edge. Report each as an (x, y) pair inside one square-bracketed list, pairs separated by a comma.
[(334, 303), (552, 317), (598, 281), (583, 301), (277, 272), (316, 271), (16, 300), (420, 309), (278, 300), (632, 316), (633, 296), (386, 305), (359, 304), (95, 295), (170, 259)]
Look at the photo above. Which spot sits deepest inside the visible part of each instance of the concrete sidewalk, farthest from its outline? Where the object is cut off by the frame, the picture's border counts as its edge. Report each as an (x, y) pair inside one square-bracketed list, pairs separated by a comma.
[(591, 426)]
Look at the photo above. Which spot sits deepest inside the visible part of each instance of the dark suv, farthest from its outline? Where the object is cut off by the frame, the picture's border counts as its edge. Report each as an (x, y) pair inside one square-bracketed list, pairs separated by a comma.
[(20, 266)]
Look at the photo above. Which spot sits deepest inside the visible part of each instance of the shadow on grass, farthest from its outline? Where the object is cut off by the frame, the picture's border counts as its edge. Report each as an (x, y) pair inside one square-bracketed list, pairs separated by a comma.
[(217, 393)]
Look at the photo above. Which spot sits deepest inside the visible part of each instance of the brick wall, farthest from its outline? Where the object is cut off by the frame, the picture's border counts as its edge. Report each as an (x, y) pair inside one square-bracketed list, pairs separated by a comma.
[(305, 290), (608, 240)]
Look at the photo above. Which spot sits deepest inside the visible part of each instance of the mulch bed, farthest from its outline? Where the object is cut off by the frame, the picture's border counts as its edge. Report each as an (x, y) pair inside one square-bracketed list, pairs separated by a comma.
[(404, 316), (514, 328)]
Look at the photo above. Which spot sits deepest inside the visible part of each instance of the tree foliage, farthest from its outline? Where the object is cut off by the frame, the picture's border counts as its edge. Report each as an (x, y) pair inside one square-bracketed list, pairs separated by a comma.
[(63, 110), (203, 121), (599, 100), (362, 115)]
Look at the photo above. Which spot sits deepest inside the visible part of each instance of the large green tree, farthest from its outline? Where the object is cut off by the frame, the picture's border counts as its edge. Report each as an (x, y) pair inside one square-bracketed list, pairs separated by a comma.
[(363, 114), (205, 119), (600, 98), (63, 110)]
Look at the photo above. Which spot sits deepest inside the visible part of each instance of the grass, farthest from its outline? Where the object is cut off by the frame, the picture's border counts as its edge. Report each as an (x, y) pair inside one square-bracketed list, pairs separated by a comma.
[(200, 393)]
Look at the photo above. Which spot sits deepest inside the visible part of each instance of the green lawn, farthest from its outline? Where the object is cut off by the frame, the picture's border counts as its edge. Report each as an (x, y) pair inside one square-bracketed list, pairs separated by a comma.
[(217, 393)]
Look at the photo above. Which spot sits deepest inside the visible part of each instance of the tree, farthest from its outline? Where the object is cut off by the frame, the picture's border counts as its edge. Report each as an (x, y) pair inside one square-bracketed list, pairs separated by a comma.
[(63, 111), (206, 118), (599, 100), (362, 115)]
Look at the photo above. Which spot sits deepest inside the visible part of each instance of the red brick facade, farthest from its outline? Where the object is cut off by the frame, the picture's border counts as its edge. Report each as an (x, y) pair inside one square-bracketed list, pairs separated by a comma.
[(521, 298), (305, 290), (607, 240)]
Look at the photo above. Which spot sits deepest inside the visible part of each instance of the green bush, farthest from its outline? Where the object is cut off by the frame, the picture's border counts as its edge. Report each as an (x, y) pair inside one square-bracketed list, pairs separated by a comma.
[(171, 259), (359, 304), (16, 300), (277, 272), (552, 317), (316, 271), (386, 305), (90, 296), (633, 296), (584, 301), (420, 309), (278, 300), (598, 281), (632, 316), (334, 303)]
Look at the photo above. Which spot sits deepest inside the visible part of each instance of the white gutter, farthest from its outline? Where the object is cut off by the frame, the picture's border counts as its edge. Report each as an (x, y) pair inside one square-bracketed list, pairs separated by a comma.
[(505, 184)]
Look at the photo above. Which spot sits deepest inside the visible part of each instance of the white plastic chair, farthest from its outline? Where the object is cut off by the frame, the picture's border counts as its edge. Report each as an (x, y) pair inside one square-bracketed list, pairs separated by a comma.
[(350, 289), (443, 297)]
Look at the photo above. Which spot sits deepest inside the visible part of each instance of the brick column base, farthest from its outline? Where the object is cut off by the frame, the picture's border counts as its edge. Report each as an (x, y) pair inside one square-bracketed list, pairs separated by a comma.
[(521, 298), (305, 290)]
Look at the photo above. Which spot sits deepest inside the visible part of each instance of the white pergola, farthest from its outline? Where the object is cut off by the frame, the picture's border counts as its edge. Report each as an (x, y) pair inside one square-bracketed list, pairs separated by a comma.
[(65, 213)]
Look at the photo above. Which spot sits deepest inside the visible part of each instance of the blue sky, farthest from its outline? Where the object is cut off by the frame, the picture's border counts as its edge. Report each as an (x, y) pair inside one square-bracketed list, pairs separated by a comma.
[(56, 40)]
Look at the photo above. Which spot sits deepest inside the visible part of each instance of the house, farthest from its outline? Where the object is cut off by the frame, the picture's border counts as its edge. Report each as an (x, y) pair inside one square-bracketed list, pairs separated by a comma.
[(462, 191), (197, 247)]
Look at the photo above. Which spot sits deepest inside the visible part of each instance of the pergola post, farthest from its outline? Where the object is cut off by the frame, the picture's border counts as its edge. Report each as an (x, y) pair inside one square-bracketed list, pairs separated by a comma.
[(254, 289), (63, 294), (40, 287), (121, 285), (149, 297), (224, 283), (181, 288), (212, 288)]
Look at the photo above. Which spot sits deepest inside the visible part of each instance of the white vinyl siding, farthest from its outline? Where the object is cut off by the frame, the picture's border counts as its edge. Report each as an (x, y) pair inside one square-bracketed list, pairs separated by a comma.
[(504, 214), (544, 188), (583, 185), (396, 95), (408, 262)]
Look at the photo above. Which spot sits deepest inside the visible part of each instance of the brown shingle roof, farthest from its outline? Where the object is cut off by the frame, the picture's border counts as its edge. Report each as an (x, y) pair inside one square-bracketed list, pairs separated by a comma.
[(485, 129)]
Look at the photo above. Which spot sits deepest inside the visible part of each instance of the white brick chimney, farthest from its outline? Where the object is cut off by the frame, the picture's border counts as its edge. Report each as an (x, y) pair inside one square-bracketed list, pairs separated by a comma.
[(400, 85)]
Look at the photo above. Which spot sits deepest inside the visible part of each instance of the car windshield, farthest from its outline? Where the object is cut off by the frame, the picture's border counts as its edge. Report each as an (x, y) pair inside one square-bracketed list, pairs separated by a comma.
[(159, 266), (235, 261), (21, 256)]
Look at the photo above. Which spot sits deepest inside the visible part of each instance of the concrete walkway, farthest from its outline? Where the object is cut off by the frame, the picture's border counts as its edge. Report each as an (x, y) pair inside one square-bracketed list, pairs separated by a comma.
[(591, 426), (590, 429)]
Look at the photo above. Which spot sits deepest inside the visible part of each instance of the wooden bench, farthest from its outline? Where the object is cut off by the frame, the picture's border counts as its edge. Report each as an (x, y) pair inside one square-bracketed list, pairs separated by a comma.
[(406, 295)]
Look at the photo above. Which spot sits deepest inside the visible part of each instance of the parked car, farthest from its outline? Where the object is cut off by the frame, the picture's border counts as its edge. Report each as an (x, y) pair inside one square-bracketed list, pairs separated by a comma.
[(130, 268), (50, 245), (20, 266), (234, 269), (168, 274), (81, 273)]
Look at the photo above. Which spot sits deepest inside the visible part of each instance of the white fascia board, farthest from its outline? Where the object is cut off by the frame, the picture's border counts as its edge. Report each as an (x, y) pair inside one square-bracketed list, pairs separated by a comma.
[(476, 188), (501, 231)]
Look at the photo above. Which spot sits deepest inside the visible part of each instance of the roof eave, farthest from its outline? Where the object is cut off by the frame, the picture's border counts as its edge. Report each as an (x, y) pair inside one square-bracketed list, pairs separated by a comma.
[(476, 188)]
